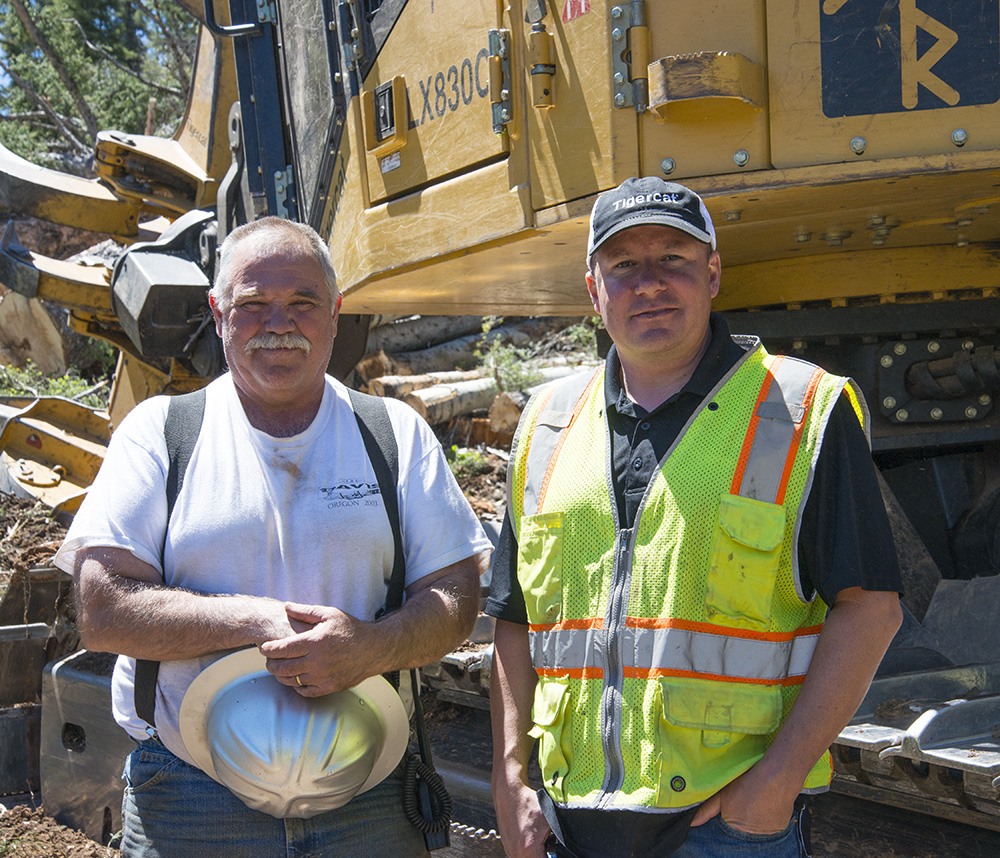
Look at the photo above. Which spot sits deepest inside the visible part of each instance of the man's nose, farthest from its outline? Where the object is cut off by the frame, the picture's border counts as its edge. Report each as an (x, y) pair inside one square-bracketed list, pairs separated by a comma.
[(279, 320), (648, 278)]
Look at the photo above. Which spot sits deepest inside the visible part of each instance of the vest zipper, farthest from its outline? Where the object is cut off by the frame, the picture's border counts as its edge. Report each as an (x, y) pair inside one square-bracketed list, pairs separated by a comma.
[(611, 696)]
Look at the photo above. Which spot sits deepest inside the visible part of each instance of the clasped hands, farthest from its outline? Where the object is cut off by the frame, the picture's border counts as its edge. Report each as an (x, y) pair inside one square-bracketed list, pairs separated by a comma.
[(320, 652)]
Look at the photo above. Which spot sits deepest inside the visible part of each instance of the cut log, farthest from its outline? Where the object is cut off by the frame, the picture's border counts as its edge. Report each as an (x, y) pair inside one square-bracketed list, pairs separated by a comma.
[(458, 353), (377, 320), (28, 332), (421, 332), (505, 411), (444, 401), (396, 386), (472, 431)]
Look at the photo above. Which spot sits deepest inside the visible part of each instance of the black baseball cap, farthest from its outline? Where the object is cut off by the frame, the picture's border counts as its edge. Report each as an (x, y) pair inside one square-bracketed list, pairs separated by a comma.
[(648, 200)]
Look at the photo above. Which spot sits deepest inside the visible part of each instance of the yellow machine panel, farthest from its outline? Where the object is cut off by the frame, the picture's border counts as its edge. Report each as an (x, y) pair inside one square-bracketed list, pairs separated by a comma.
[(580, 144), (708, 110), (426, 103), (852, 80)]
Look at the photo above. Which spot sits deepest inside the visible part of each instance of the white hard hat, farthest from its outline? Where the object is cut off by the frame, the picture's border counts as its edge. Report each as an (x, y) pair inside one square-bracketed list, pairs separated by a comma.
[(285, 754)]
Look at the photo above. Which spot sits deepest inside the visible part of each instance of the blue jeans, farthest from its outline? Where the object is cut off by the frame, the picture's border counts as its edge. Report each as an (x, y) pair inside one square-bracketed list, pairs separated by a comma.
[(715, 839), (173, 810)]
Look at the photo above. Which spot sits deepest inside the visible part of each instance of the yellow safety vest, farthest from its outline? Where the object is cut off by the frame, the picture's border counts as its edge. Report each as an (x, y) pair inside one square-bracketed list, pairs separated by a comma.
[(668, 654)]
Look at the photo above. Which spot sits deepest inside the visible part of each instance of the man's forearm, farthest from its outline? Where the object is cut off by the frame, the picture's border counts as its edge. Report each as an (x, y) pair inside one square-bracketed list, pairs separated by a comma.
[(123, 608), (857, 632), (433, 620), (512, 692)]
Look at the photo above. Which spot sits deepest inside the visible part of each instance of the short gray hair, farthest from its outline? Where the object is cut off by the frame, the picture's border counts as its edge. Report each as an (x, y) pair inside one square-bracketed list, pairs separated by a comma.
[(272, 234)]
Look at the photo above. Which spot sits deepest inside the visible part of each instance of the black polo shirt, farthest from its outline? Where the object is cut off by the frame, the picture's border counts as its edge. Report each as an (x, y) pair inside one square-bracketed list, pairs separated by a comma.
[(844, 538)]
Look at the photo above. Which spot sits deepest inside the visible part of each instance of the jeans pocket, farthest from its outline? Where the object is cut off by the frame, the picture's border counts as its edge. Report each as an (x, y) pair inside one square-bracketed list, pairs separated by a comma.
[(148, 765), (735, 843)]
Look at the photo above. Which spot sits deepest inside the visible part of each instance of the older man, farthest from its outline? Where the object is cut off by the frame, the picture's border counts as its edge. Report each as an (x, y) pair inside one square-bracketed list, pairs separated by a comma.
[(265, 546), (679, 523)]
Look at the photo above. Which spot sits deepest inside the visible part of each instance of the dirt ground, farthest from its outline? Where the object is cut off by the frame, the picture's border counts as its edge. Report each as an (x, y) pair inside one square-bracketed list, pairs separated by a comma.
[(29, 536), (27, 833)]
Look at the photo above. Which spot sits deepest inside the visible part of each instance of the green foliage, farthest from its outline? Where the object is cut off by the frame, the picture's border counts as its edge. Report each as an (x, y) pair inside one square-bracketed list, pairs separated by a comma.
[(506, 363), (30, 381), (138, 50), (465, 461), (582, 334)]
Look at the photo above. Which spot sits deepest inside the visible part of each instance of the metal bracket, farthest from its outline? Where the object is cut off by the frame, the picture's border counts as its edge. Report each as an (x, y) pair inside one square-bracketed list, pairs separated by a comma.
[(899, 406), (17, 271), (500, 80), (251, 28), (630, 55), (284, 193)]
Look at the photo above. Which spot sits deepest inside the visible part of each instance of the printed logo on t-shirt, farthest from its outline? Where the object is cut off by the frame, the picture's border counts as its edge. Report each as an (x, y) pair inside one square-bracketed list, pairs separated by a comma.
[(350, 493)]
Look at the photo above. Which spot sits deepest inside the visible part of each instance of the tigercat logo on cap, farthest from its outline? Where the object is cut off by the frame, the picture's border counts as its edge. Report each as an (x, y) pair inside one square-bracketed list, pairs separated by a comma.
[(640, 199)]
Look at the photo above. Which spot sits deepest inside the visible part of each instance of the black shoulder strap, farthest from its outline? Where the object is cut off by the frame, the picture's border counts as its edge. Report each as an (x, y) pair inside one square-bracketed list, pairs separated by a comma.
[(380, 444), (180, 430), (426, 800)]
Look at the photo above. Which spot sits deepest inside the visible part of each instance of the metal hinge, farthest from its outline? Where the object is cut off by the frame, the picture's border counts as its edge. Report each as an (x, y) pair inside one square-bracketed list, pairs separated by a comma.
[(266, 12), (630, 55), (501, 83), (284, 193), (350, 33)]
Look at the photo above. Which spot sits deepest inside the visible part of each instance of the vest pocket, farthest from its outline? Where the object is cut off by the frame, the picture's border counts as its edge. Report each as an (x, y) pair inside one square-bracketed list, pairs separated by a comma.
[(539, 566), (744, 563), (552, 731), (713, 730)]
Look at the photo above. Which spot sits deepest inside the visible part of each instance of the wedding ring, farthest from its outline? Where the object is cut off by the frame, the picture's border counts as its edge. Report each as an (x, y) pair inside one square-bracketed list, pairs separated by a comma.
[(298, 680)]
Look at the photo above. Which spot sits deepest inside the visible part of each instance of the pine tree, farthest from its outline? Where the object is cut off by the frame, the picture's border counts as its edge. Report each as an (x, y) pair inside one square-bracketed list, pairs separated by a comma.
[(69, 68)]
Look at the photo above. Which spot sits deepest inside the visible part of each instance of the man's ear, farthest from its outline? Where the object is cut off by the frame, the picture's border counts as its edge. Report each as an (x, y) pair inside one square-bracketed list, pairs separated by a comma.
[(715, 272), (592, 290), (216, 313)]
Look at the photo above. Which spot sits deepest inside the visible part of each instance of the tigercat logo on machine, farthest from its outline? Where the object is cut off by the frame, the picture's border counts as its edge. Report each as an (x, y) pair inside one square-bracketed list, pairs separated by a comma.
[(904, 55)]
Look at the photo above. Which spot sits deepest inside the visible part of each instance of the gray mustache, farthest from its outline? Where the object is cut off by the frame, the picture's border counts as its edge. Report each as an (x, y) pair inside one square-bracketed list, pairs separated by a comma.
[(277, 341)]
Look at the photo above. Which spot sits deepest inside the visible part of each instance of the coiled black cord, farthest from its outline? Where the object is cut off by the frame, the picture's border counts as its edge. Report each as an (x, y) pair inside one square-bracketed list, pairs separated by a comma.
[(415, 772)]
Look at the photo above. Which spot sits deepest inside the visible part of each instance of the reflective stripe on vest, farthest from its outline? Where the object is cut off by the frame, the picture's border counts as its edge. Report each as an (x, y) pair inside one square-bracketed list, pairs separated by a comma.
[(655, 648)]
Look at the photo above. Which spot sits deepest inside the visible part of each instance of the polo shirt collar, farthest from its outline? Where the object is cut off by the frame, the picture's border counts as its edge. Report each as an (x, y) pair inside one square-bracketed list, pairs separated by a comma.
[(720, 356)]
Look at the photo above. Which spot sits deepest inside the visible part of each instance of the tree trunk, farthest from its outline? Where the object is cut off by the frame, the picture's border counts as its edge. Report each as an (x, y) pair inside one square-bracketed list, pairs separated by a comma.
[(422, 332), (444, 401), (458, 353), (396, 386)]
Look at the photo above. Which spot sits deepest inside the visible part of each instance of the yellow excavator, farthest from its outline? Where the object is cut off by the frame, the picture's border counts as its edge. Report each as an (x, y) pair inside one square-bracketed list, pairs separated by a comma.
[(451, 150)]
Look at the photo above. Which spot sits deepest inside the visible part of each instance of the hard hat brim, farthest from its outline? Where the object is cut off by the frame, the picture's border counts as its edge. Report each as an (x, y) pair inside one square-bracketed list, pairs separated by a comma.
[(248, 668)]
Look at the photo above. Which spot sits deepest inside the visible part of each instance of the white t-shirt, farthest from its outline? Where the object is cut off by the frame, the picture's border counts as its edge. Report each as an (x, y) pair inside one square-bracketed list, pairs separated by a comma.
[(297, 519)]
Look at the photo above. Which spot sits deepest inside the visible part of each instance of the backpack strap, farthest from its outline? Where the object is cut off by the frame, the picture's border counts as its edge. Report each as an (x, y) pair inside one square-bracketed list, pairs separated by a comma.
[(181, 429)]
